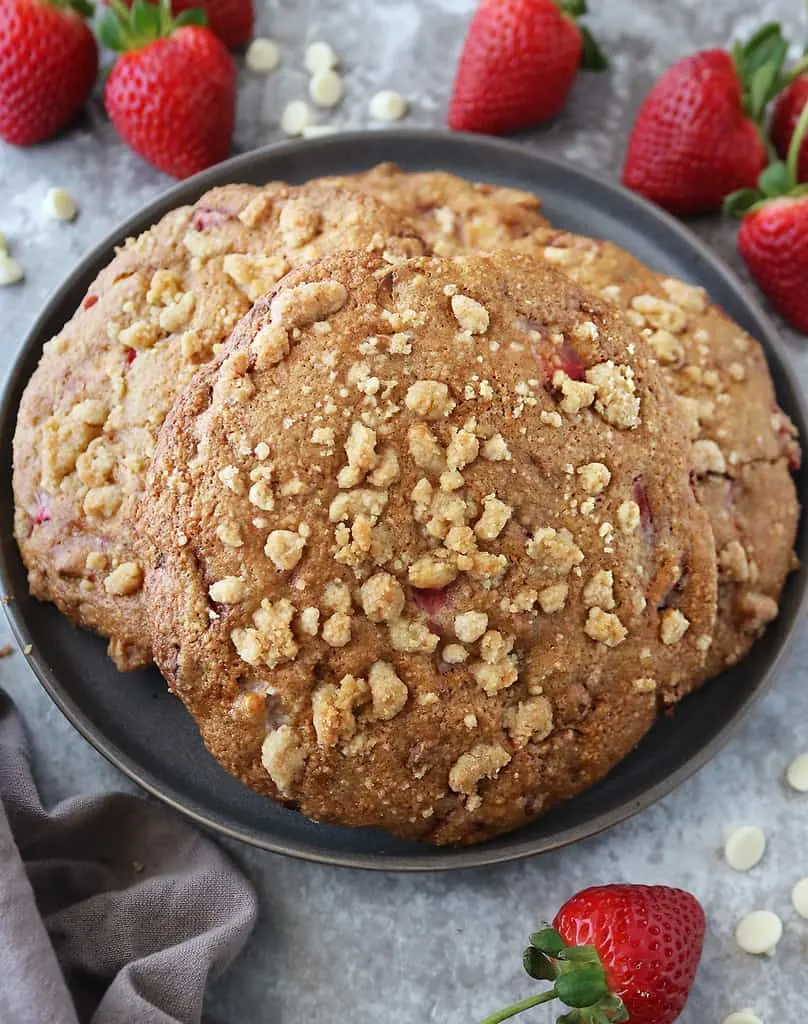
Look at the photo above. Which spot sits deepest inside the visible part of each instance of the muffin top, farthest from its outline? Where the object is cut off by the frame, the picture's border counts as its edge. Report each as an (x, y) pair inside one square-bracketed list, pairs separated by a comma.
[(89, 419), (424, 550)]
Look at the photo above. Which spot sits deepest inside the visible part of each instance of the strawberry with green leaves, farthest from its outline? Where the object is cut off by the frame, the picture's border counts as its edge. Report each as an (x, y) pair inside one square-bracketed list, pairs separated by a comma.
[(231, 20), (518, 64), (617, 953), (172, 93), (48, 66), (698, 134), (773, 237)]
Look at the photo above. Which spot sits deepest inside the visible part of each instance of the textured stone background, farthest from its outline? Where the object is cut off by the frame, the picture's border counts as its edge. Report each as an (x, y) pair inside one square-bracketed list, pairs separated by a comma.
[(336, 945)]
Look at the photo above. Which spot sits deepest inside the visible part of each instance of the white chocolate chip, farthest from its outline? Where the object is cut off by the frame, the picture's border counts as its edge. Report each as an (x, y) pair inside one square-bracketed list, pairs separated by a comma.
[(319, 56), (387, 106), (325, 88), (59, 205), (10, 270), (797, 774), (296, 117), (799, 897), (742, 1017), (759, 932), (262, 56), (744, 847)]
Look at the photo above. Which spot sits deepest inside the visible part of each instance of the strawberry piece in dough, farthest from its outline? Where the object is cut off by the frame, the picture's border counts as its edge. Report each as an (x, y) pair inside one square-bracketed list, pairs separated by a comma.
[(552, 357), (640, 496), (430, 601), (43, 512), (206, 217)]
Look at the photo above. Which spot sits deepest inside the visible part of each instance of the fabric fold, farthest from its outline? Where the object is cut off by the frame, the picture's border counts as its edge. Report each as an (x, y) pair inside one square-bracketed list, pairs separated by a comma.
[(112, 910)]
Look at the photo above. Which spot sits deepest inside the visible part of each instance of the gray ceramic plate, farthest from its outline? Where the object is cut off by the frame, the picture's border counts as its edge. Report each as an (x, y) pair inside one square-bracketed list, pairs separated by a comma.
[(135, 723)]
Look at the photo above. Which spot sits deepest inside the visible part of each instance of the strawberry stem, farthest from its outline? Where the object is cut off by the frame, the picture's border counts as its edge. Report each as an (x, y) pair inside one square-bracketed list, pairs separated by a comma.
[(578, 977), (525, 1004), (793, 158)]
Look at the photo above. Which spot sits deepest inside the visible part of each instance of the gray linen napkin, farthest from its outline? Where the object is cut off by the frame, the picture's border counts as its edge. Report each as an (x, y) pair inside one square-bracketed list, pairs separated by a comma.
[(112, 911)]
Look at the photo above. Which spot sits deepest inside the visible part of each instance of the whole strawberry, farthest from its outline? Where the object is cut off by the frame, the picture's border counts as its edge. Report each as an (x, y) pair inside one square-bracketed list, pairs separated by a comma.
[(790, 104), (518, 64), (697, 136), (48, 66), (172, 93), (617, 953), (773, 237), (231, 20)]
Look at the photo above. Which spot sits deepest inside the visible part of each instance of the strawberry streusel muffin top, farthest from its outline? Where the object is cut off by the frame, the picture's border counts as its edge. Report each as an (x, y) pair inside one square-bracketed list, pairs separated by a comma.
[(89, 418), (452, 214), (744, 445), (425, 554)]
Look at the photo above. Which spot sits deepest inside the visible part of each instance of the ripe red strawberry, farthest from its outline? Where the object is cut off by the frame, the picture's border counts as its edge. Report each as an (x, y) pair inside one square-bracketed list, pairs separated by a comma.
[(790, 104), (697, 136), (773, 237), (48, 66), (172, 94), (617, 953), (518, 64), (231, 20), (773, 241), (649, 940)]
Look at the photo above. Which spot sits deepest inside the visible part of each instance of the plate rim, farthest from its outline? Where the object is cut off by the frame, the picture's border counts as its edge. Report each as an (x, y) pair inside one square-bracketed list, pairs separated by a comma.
[(443, 858)]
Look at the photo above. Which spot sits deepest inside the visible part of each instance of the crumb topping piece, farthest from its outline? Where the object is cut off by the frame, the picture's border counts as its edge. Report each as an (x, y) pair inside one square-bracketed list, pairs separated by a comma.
[(673, 626), (284, 758), (269, 641), (529, 721), (430, 399), (485, 761), (605, 627), (470, 314)]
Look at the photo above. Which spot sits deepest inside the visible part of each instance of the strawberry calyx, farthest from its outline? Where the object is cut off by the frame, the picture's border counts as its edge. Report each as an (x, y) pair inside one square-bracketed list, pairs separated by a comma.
[(759, 66), (779, 180), (125, 29), (592, 56), (579, 981)]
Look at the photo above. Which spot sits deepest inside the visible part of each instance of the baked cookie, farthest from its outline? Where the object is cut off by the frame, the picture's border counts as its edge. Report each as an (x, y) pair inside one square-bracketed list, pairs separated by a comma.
[(425, 554), (452, 214), (88, 421), (743, 443)]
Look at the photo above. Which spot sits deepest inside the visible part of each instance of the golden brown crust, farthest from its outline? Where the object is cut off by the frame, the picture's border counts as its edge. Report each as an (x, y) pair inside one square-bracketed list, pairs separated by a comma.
[(89, 418), (743, 443), (452, 215), (754, 515), (425, 555)]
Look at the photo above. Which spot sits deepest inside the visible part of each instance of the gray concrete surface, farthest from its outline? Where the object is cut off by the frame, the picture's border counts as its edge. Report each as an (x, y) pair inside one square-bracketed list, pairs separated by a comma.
[(336, 945)]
